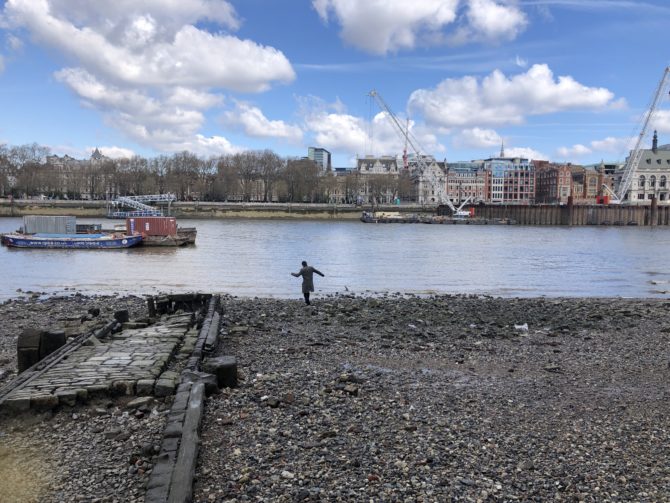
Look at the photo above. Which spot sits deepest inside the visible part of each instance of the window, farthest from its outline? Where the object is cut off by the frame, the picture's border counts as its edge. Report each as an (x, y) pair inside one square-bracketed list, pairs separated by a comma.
[(640, 196), (662, 182), (648, 161), (652, 181), (641, 182)]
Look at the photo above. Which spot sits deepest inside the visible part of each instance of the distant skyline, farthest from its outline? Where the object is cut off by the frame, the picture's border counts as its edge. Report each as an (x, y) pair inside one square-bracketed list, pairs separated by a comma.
[(561, 80)]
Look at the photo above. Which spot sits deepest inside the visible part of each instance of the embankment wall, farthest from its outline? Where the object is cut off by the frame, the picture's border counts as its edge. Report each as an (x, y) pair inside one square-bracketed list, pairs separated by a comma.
[(579, 215), (524, 215)]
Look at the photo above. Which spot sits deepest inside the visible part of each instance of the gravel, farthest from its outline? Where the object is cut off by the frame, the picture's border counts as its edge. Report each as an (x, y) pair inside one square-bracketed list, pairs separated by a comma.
[(442, 398), (99, 453), (388, 398), (102, 452)]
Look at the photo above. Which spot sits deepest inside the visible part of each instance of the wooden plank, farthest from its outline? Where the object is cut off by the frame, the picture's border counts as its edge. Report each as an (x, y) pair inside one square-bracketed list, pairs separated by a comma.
[(181, 486)]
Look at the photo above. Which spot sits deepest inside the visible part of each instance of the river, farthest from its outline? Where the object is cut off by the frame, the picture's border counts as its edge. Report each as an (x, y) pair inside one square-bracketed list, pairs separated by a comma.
[(254, 258)]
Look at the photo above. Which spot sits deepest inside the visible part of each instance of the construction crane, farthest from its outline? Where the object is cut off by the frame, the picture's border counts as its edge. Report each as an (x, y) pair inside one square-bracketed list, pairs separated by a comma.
[(633, 160), (437, 188)]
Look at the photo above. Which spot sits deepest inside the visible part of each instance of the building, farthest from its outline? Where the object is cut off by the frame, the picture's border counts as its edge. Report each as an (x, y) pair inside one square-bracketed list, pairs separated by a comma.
[(429, 180), (553, 182), (320, 156), (651, 177), (511, 180), (377, 179), (467, 180), (586, 183)]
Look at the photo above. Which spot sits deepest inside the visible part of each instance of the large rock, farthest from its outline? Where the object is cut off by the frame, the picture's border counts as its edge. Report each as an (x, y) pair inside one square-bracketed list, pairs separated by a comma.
[(224, 368), (28, 348), (51, 341)]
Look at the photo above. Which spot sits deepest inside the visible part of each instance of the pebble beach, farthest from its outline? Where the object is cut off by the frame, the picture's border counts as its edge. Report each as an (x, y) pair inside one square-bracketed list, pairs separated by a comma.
[(445, 398), (381, 398)]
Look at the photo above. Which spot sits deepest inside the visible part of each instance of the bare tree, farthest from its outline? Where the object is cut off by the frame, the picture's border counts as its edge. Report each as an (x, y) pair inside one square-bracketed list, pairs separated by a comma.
[(182, 170), (5, 171), (405, 188), (226, 182), (301, 180), (246, 165), (381, 188), (270, 166)]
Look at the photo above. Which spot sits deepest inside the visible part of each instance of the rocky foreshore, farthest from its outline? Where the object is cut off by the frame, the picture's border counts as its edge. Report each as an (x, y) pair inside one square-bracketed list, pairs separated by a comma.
[(388, 398), (437, 399)]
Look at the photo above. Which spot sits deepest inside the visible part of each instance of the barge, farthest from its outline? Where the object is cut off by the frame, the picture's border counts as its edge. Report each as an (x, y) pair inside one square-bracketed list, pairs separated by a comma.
[(71, 241)]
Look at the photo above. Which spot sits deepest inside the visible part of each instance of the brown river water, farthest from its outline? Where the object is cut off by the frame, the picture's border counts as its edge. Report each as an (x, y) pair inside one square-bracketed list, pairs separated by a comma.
[(255, 258)]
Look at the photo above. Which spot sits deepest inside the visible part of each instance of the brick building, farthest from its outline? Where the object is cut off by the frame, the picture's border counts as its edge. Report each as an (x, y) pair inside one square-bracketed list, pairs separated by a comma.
[(553, 182), (511, 180), (467, 179)]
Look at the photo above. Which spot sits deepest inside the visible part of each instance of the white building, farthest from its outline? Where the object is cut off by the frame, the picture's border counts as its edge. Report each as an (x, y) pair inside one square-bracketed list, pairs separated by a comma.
[(320, 156), (652, 176)]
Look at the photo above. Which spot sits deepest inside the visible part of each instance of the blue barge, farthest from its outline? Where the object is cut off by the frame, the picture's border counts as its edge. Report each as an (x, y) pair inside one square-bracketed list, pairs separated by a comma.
[(73, 241)]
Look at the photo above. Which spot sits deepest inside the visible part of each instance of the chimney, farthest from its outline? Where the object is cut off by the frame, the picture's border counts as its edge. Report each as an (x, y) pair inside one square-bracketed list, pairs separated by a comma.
[(654, 143)]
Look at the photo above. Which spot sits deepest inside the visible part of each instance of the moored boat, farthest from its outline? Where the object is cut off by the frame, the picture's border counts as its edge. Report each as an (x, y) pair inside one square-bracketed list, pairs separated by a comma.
[(71, 241), (161, 231), (165, 241), (189, 233), (388, 217)]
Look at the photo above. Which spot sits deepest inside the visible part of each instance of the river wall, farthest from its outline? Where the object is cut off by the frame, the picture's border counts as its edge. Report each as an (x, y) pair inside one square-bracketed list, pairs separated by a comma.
[(569, 214), (193, 210), (651, 215)]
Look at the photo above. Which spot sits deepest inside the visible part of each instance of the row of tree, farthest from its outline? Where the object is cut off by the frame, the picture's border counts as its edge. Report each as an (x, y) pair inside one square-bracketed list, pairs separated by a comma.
[(30, 171)]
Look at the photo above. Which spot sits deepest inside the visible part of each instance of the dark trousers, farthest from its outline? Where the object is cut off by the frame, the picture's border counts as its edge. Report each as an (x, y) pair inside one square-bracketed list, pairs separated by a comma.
[(306, 295)]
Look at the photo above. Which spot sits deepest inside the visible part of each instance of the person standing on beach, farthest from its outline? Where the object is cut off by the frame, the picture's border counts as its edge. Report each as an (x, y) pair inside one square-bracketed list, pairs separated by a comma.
[(307, 273)]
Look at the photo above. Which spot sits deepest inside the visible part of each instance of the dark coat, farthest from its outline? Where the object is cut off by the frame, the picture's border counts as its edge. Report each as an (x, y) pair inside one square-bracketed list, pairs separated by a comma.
[(307, 274)]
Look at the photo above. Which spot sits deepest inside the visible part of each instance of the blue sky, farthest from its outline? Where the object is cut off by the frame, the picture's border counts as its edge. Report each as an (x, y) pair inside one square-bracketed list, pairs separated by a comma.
[(563, 80)]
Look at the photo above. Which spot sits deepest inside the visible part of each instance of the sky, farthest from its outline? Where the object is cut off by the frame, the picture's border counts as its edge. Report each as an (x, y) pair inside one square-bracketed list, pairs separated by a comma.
[(558, 80)]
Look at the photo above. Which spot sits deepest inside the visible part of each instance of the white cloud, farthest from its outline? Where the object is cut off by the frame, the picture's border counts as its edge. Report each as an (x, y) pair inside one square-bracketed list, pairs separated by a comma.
[(84, 153), (489, 20), (115, 152), (381, 26), (333, 128), (577, 150), (159, 122), (613, 145), (187, 97), (14, 43), (2, 63), (498, 100), (609, 145), (338, 131), (477, 138), (525, 152), (254, 123), (137, 52), (208, 145), (661, 121), (520, 62), (149, 66)]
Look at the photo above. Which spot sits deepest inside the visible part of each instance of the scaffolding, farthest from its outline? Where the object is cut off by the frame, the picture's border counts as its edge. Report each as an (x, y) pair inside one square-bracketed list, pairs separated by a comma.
[(139, 205)]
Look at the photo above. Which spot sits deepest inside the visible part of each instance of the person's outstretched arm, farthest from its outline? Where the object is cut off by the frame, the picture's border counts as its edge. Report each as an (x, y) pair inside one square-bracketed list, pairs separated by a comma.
[(296, 274), (319, 272)]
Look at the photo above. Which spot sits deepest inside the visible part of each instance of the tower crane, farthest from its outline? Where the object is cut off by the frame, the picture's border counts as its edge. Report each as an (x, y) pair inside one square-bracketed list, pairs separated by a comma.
[(633, 160), (438, 188)]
